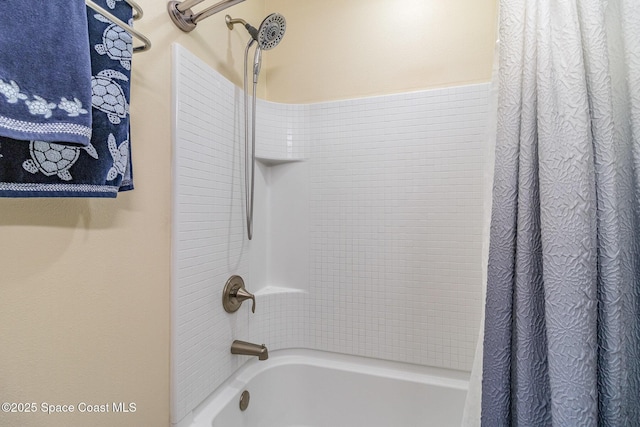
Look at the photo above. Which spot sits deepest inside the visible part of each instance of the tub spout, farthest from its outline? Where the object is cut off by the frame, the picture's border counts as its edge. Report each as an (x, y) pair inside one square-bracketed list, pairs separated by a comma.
[(249, 349)]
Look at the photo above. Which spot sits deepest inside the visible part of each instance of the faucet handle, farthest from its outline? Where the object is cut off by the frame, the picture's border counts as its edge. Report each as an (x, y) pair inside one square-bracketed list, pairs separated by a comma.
[(234, 294), (242, 295)]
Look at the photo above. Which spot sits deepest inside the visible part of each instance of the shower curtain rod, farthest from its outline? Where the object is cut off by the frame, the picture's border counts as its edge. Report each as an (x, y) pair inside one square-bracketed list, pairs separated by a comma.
[(184, 18), (137, 14)]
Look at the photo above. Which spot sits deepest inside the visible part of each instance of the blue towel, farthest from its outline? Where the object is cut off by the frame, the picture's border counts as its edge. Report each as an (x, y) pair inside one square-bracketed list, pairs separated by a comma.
[(44, 71), (38, 168)]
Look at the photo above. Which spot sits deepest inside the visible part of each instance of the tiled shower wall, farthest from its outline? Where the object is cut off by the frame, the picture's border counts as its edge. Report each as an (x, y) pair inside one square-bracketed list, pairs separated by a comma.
[(393, 233), (209, 243), (396, 225)]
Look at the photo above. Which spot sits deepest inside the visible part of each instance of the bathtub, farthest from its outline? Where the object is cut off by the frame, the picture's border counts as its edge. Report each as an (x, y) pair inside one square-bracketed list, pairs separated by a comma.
[(305, 388)]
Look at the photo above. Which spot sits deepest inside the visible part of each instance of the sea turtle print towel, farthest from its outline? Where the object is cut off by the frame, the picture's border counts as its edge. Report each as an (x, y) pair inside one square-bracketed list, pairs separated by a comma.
[(101, 168), (44, 71)]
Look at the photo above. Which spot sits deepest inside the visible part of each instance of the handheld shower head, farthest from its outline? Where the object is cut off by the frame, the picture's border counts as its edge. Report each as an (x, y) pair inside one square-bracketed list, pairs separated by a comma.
[(268, 36), (270, 32)]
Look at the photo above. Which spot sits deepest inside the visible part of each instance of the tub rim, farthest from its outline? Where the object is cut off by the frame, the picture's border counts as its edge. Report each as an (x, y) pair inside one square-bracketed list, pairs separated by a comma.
[(205, 412)]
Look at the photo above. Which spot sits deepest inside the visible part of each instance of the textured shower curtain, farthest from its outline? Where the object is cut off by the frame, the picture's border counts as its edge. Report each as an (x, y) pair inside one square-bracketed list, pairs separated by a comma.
[(562, 324)]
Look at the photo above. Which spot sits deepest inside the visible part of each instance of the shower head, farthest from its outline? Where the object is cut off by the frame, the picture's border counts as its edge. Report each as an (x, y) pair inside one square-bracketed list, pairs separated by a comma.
[(270, 32)]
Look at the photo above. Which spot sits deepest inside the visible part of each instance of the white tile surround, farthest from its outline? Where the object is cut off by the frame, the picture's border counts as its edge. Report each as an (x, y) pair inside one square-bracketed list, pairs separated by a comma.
[(375, 229), (396, 225)]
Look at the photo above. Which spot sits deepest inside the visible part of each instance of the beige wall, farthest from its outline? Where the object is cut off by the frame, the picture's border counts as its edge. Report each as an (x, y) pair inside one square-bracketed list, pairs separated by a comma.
[(84, 284), (337, 49)]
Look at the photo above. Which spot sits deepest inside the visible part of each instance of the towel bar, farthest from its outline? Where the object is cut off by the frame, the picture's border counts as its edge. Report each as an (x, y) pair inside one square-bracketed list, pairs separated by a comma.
[(137, 15)]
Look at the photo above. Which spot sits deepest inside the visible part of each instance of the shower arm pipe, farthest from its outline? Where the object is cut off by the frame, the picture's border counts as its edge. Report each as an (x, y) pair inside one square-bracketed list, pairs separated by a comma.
[(184, 18), (253, 31)]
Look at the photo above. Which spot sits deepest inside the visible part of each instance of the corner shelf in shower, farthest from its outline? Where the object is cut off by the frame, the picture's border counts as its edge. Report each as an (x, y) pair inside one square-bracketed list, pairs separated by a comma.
[(272, 161)]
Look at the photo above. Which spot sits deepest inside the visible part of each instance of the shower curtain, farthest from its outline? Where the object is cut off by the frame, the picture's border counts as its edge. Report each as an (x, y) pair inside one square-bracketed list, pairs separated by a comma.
[(562, 323)]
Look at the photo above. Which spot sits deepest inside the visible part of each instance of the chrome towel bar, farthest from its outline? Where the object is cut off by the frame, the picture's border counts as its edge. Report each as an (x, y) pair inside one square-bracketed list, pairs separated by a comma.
[(137, 14)]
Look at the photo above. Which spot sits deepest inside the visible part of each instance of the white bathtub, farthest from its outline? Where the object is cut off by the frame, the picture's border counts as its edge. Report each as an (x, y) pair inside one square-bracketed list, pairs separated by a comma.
[(303, 388)]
